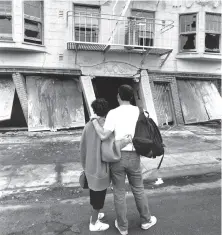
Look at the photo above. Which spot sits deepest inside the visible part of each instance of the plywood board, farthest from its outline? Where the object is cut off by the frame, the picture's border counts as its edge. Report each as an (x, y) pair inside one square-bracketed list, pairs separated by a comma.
[(191, 101), (69, 105), (211, 98), (162, 96), (7, 92), (54, 104)]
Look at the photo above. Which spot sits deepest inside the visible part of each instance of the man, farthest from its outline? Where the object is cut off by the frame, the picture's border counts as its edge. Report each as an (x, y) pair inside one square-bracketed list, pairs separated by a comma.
[(122, 121)]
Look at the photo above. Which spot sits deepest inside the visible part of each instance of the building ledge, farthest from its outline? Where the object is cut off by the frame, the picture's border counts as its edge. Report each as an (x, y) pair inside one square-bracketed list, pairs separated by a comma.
[(102, 47), (17, 46), (37, 70), (199, 56)]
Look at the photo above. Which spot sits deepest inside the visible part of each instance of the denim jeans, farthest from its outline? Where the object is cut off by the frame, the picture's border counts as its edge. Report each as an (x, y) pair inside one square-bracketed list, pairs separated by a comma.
[(128, 165)]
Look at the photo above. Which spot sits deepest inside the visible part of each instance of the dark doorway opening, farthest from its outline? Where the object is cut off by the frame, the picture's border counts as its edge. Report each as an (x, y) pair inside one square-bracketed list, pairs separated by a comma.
[(107, 88), (17, 117)]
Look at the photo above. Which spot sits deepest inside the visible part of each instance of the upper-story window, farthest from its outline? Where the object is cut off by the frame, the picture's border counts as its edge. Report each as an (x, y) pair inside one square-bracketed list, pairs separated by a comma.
[(140, 28), (212, 32), (5, 20), (86, 23), (188, 23), (33, 22)]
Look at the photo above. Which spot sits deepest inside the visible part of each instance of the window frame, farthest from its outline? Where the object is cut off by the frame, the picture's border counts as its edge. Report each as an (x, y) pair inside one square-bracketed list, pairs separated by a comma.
[(34, 41), (189, 32), (8, 37), (99, 22), (211, 32), (140, 37)]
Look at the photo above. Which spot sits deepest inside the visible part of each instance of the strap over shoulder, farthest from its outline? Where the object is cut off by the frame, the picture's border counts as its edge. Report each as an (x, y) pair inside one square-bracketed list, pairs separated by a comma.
[(142, 110)]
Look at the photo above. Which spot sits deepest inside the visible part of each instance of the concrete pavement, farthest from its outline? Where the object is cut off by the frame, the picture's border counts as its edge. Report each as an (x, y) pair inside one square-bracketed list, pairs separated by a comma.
[(189, 208), (36, 161)]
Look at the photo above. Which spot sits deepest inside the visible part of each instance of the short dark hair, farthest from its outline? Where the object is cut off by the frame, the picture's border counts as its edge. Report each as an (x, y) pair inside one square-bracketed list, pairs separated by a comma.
[(100, 107), (125, 92)]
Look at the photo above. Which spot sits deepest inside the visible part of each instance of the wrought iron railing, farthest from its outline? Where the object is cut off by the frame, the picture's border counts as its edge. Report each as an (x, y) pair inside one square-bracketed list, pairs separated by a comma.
[(116, 30)]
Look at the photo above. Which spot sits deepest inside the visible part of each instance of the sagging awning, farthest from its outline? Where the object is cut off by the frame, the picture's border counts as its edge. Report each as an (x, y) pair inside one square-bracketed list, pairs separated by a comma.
[(200, 101), (7, 92)]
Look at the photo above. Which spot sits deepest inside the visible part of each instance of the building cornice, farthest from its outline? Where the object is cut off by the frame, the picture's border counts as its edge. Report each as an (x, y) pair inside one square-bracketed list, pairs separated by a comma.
[(186, 74), (38, 71)]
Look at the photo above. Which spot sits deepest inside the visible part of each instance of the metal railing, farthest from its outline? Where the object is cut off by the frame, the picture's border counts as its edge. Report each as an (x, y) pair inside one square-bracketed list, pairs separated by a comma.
[(117, 30)]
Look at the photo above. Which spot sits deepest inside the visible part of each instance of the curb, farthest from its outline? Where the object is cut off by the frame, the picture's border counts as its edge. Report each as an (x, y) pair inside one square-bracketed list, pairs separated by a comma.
[(181, 171)]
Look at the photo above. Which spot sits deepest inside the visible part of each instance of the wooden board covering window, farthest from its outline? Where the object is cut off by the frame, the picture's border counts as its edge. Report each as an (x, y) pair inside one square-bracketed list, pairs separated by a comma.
[(163, 102), (200, 101), (54, 104), (7, 92)]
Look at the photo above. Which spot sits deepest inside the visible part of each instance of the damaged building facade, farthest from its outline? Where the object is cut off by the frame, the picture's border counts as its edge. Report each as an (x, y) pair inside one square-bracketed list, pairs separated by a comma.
[(57, 56)]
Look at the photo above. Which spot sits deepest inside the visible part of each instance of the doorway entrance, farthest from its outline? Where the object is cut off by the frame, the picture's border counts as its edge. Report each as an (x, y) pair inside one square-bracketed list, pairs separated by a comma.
[(107, 88)]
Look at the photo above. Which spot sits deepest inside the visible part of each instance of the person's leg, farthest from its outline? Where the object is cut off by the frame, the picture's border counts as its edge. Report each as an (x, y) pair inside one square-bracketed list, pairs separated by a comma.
[(94, 212), (97, 199), (134, 175), (118, 176), (94, 215)]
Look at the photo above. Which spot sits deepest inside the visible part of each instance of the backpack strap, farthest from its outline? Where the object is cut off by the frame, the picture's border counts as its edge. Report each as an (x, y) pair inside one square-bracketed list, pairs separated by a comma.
[(146, 113)]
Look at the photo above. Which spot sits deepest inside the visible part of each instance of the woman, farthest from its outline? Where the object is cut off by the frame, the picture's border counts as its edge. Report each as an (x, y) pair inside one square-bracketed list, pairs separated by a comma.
[(97, 172)]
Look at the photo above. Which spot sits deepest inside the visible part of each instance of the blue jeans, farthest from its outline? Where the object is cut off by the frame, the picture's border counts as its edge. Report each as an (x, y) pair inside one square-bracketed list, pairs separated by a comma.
[(128, 165)]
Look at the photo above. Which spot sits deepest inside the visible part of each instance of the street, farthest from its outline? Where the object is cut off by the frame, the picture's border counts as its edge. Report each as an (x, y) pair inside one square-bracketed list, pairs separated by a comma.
[(189, 205)]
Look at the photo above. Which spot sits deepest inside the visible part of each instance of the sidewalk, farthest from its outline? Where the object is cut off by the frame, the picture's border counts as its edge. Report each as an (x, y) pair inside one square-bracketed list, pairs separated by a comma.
[(36, 161)]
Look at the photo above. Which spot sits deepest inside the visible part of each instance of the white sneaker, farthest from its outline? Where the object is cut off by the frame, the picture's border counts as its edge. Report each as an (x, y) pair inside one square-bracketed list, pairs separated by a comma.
[(148, 225), (98, 226), (121, 232), (101, 215)]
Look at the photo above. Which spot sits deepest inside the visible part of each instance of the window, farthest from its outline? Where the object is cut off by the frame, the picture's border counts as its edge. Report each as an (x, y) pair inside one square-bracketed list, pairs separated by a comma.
[(5, 20), (212, 32), (140, 28), (33, 22), (86, 23), (188, 25)]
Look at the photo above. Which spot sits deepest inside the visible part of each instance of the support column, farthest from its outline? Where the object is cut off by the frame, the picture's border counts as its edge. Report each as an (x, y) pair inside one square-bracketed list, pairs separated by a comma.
[(20, 86), (146, 95), (88, 92)]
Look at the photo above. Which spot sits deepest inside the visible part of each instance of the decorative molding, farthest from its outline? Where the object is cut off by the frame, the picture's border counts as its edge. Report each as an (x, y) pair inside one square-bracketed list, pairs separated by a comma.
[(213, 3), (111, 68)]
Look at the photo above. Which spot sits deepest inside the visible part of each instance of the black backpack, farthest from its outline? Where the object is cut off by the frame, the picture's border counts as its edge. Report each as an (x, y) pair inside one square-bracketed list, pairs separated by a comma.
[(147, 139)]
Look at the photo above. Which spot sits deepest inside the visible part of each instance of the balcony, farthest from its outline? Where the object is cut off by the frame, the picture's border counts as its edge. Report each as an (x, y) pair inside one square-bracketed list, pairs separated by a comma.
[(88, 32)]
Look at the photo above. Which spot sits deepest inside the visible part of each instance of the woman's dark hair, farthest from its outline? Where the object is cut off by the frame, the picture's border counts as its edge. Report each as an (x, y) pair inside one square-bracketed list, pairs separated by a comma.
[(125, 92), (100, 107)]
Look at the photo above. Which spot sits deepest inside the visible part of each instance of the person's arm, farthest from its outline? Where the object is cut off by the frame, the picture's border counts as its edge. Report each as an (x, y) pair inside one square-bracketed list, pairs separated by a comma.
[(83, 149), (109, 126), (101, 132)]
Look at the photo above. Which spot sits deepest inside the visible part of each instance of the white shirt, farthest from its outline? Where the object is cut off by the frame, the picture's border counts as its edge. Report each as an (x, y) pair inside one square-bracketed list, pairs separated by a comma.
[(122, 120)]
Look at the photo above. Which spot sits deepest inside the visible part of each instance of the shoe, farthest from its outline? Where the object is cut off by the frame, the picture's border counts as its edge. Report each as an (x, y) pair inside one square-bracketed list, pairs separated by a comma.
[(148, 225), (98, 226), (121, 232), (101, 215)]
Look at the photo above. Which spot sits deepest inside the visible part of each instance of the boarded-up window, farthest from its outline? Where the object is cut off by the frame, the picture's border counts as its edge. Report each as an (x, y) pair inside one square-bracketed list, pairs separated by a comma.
[(54, 104), (86, 23), (33, 22), (213, 33), (200, 101), (6, 20), (7, 92), (188, 24), (163, 102)]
